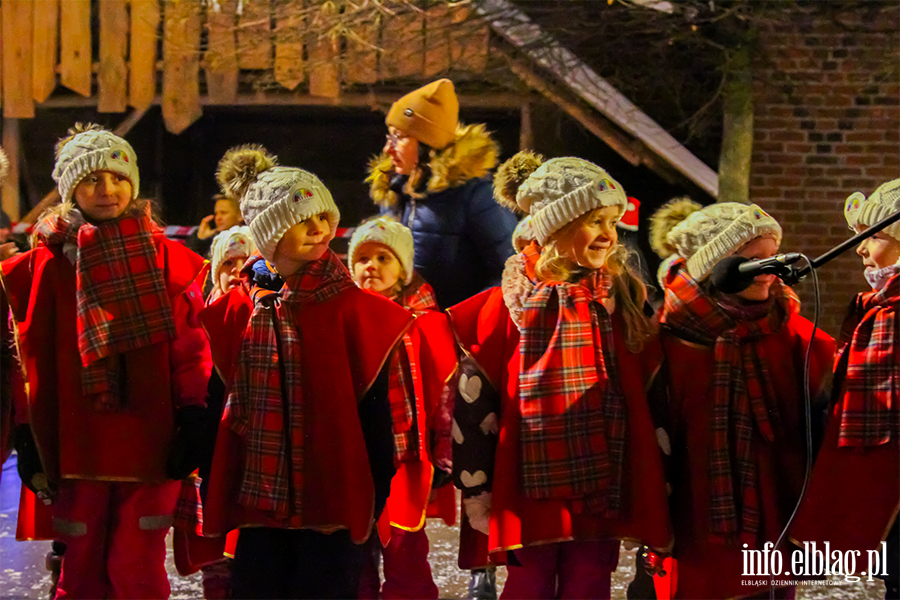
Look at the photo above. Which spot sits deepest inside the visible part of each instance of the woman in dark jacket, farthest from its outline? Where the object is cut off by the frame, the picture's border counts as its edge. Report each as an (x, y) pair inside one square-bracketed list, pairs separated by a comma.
[(433, 176)]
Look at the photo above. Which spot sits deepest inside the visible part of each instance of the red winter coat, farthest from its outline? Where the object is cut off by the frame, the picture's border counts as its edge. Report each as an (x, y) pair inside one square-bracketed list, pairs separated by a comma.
[(708, 570)]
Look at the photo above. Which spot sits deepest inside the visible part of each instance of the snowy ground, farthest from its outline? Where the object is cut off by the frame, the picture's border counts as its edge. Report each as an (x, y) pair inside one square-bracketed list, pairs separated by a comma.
[(22, 573)]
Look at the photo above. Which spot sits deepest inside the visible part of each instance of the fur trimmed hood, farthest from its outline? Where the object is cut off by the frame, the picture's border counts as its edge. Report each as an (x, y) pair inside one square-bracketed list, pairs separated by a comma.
[(472, 154)]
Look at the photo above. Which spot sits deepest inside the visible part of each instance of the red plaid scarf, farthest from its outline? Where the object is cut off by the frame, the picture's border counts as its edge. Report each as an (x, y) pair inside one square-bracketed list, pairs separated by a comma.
[(743, 397), (409, 442), (573, 422), (121, 293), (870, 415), (266, 398)]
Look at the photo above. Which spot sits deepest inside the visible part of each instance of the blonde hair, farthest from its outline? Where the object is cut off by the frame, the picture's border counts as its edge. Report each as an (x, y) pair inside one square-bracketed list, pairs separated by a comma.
[(629, 289)]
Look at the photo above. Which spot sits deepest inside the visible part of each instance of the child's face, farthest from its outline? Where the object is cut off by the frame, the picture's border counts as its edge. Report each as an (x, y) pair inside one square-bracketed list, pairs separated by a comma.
[(762, 247), (226, 215), (403, 150), (590, 242), (878, 251), (229, 273), (376, 268), (103, 195), (304, 242)]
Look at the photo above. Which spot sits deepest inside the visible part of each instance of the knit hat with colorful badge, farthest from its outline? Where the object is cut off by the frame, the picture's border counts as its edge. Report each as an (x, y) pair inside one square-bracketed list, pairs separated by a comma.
[(91, 149), (273, 199), (429, 114), (390, 233), (885, 201), (236, 241), (555, 192), (717, 231)]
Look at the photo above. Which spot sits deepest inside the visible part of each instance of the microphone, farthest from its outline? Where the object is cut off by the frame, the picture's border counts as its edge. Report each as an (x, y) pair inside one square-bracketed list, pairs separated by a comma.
[(735, 273)]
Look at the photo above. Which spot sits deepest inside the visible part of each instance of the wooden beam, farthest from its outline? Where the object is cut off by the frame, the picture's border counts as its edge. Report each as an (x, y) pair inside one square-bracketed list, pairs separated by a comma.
[(404, 46), (438, 22), (18, 93), (324, 54), (526, 132), (10, 201), (181, 55), (46, 32), (254, 39), (142, 73), (75, 51), (112, 75), (289, 43), (469, 40), (361, 54), (220, 60)]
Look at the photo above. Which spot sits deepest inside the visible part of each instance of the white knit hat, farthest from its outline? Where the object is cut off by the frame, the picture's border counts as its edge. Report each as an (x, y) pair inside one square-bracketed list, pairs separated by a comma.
[(90, 151), (236, 241), (563, 189), (392, 234), (523, 234), (885, 201), (273, 199), (719, 230)]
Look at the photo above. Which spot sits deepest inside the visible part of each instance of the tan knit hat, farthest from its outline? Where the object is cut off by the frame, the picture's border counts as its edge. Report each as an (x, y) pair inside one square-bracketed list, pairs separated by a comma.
[(885, 201), (429, 114), (90, 151), (392, 234), (719, 230), (236, 241)]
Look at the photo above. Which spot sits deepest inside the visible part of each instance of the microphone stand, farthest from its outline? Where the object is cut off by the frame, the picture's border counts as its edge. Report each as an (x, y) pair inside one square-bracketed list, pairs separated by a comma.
[(793, 274)]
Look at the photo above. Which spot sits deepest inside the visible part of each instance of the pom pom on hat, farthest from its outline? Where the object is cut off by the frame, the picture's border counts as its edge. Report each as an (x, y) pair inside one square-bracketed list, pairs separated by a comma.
[(511, 175), (429, 114), (717, 231), (273, 199), (664, 219), (392, 234), (90, 148), (885, 201), (236, 241), (563, 189)]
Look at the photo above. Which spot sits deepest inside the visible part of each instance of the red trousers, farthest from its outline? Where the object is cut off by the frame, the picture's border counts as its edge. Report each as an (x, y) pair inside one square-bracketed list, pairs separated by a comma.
[(116, 538), (562, 570), (407, 573)]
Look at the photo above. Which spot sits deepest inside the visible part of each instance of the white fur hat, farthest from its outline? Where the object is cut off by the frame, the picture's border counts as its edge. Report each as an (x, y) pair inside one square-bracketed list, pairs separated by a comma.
[(392, 234), (90, 151), (236, 241), (273, 199), (885, 201), (562, 189), (719, 230)]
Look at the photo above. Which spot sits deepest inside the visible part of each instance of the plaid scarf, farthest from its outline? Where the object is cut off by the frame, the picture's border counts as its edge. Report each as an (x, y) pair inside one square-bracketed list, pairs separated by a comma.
[(409, 443), (573, 426), (266, 398), (870, 415), (121, 293), (743, 397)]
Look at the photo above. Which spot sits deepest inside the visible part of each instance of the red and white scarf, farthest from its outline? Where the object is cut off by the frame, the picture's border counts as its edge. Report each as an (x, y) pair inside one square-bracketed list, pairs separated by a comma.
[(744, 400), (120, 292), (871, 415), (265, 402), (573, 413)]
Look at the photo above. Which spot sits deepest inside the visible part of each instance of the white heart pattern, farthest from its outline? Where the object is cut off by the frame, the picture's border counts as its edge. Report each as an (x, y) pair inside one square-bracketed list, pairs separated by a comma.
[(470, 388), (470, 480), (662, 438), (458, 437), (489, 425)]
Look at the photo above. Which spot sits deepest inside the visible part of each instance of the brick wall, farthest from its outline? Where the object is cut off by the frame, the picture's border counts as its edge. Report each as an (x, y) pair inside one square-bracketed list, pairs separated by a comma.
[(827, 106)]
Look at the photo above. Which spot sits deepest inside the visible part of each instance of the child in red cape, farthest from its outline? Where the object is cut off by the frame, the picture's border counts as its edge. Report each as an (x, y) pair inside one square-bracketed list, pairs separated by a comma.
[(567, 344), (381, 261), (304, 453), (735, 369), (106, 314), (860, 458)]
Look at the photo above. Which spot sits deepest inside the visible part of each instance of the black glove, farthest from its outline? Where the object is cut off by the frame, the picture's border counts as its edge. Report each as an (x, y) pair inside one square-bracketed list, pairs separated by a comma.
[(28, 459), (187, 449)]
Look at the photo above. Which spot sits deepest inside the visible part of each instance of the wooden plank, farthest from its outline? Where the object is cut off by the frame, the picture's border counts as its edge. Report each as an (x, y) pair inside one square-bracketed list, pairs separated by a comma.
[(438, 23), (289, 43), (75, 46), (254, 38), (142, 72), (18, 18), (404, 46), (361, 55), (469, 40), (46, 31), (10, 201), (112, 76), (181, 56), (220, 60), (324, 71)]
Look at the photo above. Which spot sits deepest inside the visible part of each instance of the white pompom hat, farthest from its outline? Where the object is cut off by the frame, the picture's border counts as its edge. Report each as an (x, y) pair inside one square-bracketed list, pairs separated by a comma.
[(90, 151), (885, 201), (392, 234)]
